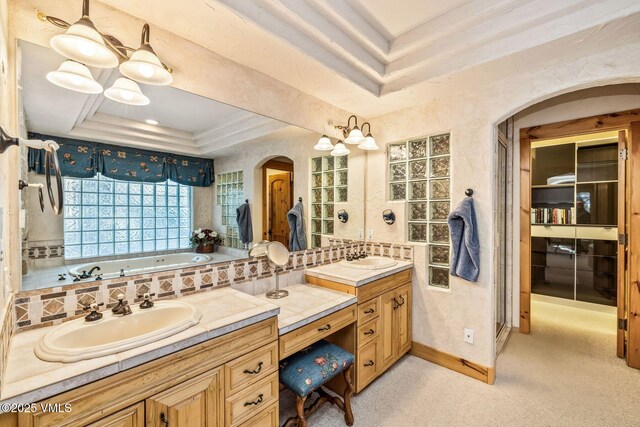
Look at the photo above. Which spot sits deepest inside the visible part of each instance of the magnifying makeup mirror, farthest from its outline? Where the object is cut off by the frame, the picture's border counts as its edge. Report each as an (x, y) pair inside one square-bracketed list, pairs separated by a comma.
[(278, 256)]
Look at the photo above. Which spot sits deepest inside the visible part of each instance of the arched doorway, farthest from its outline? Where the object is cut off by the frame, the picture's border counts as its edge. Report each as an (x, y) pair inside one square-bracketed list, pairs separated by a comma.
[(277, 198)]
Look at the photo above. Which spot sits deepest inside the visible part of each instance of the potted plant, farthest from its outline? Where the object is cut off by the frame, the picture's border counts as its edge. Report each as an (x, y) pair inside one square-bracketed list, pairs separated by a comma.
[(205, 241)]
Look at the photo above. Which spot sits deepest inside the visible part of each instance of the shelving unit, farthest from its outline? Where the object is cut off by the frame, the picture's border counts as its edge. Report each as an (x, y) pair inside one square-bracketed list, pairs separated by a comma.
[(329, 183), (574, 221)]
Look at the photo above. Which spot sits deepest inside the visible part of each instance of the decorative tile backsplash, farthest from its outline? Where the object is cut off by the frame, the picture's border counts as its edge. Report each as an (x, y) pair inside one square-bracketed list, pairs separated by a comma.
[(45, 307), (229, 195), (419, 172)]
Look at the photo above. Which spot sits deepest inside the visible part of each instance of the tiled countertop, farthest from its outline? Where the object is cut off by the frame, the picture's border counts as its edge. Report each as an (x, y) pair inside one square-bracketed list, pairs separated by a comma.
[(306, 304), (29, 379), (353, 276)]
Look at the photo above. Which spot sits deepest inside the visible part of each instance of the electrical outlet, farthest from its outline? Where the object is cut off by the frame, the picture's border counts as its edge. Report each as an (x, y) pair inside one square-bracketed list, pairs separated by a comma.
[(370, 234), (468, 335), (360, 233)]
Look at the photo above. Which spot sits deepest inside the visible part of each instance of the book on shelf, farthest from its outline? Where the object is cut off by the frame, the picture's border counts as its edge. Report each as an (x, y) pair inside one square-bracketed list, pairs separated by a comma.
[(553, 216)]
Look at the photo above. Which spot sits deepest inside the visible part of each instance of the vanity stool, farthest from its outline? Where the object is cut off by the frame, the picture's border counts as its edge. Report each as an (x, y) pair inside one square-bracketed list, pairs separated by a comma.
[(308, 370)]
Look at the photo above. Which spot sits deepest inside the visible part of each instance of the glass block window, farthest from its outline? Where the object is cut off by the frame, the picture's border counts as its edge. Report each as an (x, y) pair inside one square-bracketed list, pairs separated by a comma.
[(419, 172), (329, 183), (106, 217), (229, 195)]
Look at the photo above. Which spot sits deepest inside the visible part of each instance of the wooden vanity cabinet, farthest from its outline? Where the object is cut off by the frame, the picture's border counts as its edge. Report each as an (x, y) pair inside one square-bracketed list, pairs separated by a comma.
[(383, 323), (231, 380)]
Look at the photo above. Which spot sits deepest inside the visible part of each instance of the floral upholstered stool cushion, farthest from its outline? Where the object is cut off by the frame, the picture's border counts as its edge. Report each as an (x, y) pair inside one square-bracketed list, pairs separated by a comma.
[(308, 369), (306, 372)]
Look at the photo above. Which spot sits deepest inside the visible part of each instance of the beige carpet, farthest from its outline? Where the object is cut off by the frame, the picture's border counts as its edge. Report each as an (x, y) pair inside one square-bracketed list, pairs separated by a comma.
[(564, 374)]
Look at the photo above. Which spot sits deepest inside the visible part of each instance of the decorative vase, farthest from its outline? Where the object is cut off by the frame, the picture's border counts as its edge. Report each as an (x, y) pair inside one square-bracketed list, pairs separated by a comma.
[(205, 249)]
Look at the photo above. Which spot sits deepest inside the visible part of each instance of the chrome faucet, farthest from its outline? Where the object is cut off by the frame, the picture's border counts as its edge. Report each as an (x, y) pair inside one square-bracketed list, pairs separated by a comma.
[(122, 307)]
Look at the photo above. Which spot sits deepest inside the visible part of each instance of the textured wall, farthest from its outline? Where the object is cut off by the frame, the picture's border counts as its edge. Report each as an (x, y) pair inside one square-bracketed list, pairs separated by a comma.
[(469, 105)]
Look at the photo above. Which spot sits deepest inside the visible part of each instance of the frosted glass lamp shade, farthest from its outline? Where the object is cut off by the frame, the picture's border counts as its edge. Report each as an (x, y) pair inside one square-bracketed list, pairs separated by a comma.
[(127, 92), (83, 43), (340, 150), (324, 144), (355, 136), (74, 76), (369, 143), (145, 67)]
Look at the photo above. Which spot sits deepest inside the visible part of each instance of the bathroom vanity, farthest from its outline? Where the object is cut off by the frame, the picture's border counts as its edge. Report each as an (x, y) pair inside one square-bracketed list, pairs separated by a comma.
[(383, 313)]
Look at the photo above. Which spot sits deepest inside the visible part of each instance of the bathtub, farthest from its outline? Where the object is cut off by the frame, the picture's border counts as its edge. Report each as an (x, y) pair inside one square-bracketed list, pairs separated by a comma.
[(143, 265)]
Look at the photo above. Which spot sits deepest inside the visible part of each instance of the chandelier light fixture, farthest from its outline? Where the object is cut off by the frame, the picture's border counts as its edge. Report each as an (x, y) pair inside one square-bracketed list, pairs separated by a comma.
[(84, 45), (352, 135)]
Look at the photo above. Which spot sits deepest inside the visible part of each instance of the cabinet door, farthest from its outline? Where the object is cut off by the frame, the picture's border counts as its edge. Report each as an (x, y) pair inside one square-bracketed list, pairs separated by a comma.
[(402, 320), (387, 341), (133, 416), (196, 402)]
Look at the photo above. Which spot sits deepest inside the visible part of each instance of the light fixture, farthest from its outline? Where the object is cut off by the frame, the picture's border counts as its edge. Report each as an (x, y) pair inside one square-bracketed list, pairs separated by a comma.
[(369, 142), (352, 135), (127, 92), (144, 65), (74, 76), (84, 43), (340, 150), (151, 122), (324, 144)]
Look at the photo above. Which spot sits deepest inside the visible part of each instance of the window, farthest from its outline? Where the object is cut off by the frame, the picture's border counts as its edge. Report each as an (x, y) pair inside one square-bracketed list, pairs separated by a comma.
[(229, 195), (419, 173), (329, 180), (104, 217)]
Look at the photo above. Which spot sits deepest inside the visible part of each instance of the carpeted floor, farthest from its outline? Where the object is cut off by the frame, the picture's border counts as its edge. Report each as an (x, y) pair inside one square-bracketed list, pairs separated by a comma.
[(564, 374)]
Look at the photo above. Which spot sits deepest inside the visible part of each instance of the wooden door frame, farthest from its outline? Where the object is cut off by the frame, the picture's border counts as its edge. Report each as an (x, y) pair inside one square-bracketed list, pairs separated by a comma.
[(277, 165), (622, 121)]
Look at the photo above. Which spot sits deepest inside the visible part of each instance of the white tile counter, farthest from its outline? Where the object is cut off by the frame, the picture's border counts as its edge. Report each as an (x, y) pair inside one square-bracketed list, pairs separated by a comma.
[(306, 304), (354, 276), (29, 379)]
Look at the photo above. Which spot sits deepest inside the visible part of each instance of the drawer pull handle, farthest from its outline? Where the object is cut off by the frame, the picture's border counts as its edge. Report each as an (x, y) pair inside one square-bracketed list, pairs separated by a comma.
[(370, 332), (255, 371), (369, 311), (326, 328), (369, 363), (163, 419), (255, 402)]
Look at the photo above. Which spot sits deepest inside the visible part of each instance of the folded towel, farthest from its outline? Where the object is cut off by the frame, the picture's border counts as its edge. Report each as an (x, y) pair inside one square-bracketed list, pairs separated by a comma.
[(245, 228), (465, 260), (297, 234)]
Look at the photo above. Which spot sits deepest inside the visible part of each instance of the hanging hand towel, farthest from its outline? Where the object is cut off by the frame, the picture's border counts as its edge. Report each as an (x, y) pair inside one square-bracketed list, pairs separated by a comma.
[(297, 234), (245, 228), (465, 262)]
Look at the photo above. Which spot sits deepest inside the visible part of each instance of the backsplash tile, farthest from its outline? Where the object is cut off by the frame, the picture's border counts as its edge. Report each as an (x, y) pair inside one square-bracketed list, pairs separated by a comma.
[(45, 307)]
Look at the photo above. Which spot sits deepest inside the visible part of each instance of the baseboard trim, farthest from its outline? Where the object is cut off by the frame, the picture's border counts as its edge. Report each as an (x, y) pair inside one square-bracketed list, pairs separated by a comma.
[(455, 363)]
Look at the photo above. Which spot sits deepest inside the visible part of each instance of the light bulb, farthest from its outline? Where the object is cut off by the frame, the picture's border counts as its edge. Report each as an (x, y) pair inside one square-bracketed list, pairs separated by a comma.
[(146, 70)]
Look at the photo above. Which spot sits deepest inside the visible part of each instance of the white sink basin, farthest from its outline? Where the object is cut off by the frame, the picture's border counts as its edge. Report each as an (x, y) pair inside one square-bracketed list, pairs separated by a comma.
[(80, 340), (370, 263)]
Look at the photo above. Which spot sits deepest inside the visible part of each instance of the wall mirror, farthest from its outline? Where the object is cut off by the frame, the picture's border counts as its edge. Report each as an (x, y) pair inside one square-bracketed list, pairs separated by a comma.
[(135, 187)]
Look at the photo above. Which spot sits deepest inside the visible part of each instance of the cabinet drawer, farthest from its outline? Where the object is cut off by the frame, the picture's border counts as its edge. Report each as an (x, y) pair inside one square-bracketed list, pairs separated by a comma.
[(368, 310), (267, 418), (380, 286), (368, 332), (367, 359), (307, 335), (245, 404), (250, 368)]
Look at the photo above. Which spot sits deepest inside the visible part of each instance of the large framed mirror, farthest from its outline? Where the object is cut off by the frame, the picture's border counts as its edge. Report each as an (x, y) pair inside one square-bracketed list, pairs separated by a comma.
[(137, 192)]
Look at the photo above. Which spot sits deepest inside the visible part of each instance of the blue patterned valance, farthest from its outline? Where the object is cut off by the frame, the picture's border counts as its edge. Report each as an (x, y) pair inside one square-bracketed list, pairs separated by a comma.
[(83, 159)]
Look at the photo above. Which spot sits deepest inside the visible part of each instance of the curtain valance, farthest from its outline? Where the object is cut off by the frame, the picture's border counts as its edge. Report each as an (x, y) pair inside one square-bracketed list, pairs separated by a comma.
[(83, 159)]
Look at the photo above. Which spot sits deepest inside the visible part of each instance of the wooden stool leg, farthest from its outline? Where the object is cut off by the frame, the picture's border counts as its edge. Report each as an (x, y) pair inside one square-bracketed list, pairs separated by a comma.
[(302, 421), (348, 391)]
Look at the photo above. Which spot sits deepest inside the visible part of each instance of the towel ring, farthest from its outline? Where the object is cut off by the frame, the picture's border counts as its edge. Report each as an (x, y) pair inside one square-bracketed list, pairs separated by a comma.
[(343, 216), (388, 216)]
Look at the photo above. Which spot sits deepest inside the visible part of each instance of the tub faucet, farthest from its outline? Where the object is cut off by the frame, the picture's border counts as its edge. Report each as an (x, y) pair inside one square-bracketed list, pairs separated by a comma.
[(90, 272), (122, 307)]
